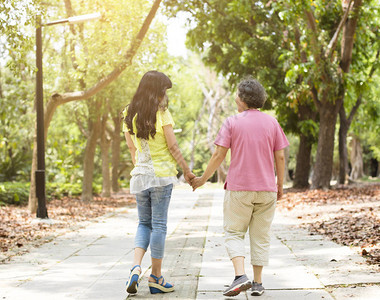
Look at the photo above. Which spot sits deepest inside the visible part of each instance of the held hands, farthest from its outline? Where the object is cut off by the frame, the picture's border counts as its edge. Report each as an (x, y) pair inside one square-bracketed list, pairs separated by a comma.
[(195, 182), (189, 176)]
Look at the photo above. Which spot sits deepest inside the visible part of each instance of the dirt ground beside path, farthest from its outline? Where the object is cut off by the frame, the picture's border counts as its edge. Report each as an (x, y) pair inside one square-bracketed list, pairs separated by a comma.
[(349, 215), (18, 232)]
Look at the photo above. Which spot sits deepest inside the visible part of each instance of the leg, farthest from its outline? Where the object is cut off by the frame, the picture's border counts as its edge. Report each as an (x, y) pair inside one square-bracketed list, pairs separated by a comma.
[(144, 229), (241, 282), (237, 213), (156, 267), (141, 240), (257, 287), (257, 271), (160, 198), (238, 262), (138, 256), (259, 231), (160, 204)]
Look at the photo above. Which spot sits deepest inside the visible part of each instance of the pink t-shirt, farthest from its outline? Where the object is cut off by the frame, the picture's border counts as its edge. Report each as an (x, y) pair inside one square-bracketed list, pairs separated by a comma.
[(253, 136)]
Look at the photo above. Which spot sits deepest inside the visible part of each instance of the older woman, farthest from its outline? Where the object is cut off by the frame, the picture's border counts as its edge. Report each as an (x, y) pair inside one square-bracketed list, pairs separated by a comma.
[(256, 141)]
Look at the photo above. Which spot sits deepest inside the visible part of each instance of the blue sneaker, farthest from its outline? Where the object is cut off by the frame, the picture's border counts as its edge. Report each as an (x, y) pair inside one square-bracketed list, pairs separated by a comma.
[(133, 281), (156, 287)]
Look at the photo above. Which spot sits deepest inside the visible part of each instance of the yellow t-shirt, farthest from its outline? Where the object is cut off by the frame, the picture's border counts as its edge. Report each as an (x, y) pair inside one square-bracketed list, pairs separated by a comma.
[(164, 163)]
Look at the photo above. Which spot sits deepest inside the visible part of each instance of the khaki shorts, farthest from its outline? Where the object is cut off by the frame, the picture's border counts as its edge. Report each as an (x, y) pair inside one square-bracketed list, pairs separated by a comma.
[(251, 210)]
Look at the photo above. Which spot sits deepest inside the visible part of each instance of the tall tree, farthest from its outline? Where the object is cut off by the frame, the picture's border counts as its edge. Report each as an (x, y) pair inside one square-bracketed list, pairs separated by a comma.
[(62, 98), (254, 37)]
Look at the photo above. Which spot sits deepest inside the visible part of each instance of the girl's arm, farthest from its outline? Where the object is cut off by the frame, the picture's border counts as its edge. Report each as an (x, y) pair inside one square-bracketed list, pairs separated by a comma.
[(176, 152), (279, 158), (131, 146), (214, 163)]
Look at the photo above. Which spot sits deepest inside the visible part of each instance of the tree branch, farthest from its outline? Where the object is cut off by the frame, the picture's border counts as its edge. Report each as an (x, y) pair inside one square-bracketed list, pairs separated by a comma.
[(348, 37), (314, 93), (58, 99), (314, 42), (359, 99), (331, 47), (354, 109)]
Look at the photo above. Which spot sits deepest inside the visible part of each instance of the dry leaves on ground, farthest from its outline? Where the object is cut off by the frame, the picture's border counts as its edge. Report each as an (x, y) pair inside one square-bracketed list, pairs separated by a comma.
[(17, 229), (349, 216)]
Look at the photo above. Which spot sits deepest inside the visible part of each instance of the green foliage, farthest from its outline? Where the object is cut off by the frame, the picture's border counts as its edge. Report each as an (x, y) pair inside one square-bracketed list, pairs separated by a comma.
[(17, 23), (56, 190), (16, 193), (273, 41), (16, 122), (308, 127), (368, 120), (91, 51)]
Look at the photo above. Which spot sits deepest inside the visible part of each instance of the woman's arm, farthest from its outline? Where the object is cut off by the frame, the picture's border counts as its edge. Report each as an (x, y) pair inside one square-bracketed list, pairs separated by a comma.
[(176, 152), (279, 158), (131, 146), (214, 163)]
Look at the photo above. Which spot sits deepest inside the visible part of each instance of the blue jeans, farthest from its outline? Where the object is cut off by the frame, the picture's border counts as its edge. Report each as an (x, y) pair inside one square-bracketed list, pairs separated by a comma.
[(152, 208)]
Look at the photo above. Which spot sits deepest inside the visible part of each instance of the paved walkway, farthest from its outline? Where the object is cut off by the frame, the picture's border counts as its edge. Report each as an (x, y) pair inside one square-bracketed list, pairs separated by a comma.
[(94, 262)]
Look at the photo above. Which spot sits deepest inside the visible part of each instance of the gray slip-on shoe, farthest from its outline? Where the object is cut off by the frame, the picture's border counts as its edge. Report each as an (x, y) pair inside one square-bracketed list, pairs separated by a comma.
[(257, 289), (239, 285)]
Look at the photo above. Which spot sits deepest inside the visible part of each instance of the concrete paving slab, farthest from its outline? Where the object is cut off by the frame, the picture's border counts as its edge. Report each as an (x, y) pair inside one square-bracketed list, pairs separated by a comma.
[(333, 264), (219, 295), (357, 292), (268, 294), (109, 289)]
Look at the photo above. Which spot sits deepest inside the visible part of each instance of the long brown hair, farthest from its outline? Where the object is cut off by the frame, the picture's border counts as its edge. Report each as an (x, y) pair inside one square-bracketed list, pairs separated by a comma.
[(145, 103)]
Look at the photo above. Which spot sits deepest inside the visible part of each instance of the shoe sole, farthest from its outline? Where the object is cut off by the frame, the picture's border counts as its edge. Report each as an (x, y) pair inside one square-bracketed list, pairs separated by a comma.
[(132, 288), (133, 283), (257, 293), (156, 288), (238, 289)]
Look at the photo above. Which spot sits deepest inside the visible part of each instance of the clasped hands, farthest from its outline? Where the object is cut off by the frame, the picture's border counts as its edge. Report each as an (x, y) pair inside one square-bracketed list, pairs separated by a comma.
[(194, 181)]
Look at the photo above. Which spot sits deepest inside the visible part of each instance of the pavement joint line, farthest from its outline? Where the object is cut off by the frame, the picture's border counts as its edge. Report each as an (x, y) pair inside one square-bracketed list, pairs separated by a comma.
[(179, 230), (4, 258), (305, 265), (348, 285), (105, 273), (279, 289)]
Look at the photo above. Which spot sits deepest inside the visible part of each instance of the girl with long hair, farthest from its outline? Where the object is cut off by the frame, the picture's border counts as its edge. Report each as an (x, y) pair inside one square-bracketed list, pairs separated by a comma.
[(148, 127)]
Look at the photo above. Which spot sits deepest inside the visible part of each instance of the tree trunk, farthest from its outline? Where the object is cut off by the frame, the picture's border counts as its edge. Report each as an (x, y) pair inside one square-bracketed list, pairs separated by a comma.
[(348, 36), (116, 153), (105, 143), (343, 155), (328, 113), (32, 202), (301, 176), (356, 159), (88, 163), (89, 155), (58, 99)]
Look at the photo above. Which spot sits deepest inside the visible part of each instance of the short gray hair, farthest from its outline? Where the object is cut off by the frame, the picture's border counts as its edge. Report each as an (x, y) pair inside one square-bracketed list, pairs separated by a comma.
[(252, 93)]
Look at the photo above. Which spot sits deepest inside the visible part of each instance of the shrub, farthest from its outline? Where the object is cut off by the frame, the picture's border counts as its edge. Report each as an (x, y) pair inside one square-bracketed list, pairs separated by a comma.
[(17, 193), (14, 193)]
